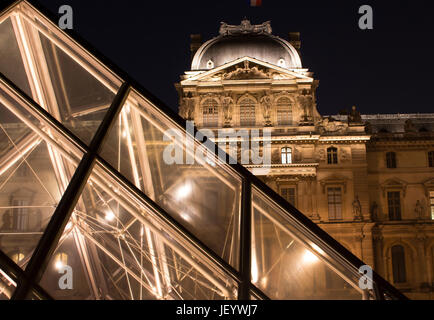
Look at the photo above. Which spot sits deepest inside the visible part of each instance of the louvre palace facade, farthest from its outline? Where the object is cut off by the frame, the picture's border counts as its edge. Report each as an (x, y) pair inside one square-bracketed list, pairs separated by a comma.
[(367, 180)]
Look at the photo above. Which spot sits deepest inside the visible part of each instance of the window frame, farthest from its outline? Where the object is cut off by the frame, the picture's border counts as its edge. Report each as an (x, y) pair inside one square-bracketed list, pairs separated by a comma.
[(247, 104), (431, 159), (288, 196), (210, 119), (399, 269), (393, 216), (332, 155), (284, 109), (286, 155), (391, 162), (335, 204)]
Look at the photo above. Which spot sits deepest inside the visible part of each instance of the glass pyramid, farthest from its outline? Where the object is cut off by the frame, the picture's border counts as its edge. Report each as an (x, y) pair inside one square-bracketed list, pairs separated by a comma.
[(89, 209)]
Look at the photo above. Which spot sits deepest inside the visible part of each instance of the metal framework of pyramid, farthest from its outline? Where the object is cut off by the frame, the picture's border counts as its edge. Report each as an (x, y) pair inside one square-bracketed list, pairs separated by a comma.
[(83, 186)]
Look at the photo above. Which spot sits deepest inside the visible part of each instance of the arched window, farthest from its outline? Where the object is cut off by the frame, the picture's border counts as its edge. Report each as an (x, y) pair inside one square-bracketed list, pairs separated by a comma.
[(398, 264), (247, 112), (391, 160), (284, 111), (431, 159), (210, 113), (286, 154), (332, 155)]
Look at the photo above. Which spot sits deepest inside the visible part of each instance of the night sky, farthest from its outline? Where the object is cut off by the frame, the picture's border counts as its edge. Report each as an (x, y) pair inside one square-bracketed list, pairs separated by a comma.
[(385, 70)]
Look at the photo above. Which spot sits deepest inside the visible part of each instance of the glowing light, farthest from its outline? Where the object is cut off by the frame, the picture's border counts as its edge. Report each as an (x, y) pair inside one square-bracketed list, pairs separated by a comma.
[(317, 249), (68, 226), (185, 216), (183, 191), (58, 265), (309, 257), (254, 268), (124, 134), (109, 216)]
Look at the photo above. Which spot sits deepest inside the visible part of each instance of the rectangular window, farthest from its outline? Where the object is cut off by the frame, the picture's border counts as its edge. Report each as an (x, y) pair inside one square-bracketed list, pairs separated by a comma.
[(288, 193), (431, 202), (391, 160), (284, 115), (431, 159), (247, 115), (394, 204), (332, 155), (286, 154), (210, 116), (334, 197)]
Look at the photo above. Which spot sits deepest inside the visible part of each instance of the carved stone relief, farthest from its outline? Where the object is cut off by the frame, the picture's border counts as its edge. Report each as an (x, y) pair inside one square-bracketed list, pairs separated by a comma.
[(332, 126)]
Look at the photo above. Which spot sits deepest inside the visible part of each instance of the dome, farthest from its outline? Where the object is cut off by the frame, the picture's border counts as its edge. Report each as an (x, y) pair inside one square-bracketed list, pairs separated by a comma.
[(255, 41)]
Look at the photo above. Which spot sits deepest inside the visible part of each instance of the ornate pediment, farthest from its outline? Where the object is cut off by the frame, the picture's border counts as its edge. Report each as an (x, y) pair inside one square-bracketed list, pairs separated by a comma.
[(394, 183), (335, 179), (246, 68), (246, 72)]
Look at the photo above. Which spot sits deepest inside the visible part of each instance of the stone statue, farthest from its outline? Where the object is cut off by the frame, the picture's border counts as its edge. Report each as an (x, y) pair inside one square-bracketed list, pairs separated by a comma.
[(419, 210), (245, 27), (228, 103), (186, 109), (354, 116), (331, 125), (357, 209), (266, 106), (374, 211), (305, 100)]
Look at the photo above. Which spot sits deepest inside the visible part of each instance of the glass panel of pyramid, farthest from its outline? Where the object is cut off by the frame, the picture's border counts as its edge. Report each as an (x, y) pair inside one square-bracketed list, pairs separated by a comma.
[(118, 247), (36, 165), (57, 73)]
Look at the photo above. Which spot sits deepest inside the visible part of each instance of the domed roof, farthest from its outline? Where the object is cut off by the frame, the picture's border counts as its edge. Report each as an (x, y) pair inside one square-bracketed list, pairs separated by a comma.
[(255, 41)]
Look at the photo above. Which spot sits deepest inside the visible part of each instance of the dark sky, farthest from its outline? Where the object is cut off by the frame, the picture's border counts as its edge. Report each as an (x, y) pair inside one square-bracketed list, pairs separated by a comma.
[(385, 70)]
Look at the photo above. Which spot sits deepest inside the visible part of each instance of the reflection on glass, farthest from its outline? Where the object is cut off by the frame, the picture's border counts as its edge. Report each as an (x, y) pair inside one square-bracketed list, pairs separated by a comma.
[(58, 74), (7, 285), (283, 265), (36, 166), (202, 195), (117, 248)]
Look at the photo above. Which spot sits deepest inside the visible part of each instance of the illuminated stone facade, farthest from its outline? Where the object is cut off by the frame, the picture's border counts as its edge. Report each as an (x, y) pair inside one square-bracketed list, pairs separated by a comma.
[(368, 180)]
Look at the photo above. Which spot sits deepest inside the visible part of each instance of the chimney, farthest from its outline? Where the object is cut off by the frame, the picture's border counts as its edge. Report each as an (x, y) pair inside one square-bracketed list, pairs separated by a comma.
[(294, 39), (196, 42)]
